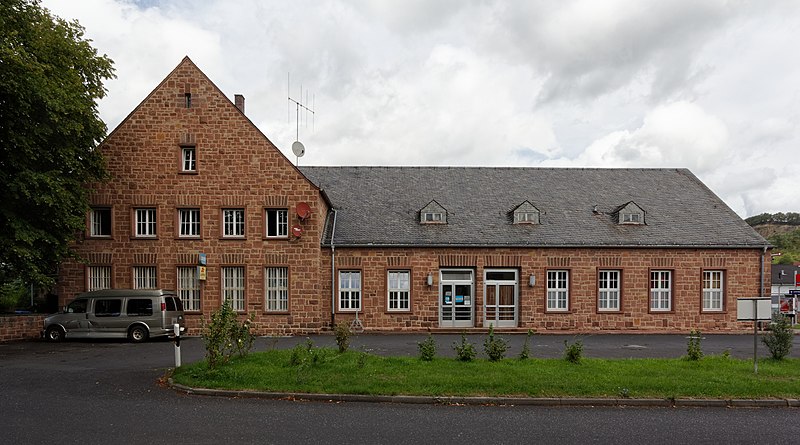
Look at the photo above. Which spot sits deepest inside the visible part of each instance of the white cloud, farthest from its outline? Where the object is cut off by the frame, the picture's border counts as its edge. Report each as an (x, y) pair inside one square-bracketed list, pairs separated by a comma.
[(710, 86)]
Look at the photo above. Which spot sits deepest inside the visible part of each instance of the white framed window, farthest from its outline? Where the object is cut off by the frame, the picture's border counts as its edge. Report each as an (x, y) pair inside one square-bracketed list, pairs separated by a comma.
[(713, 286), (233, 222), (189, 223), (558, 290), (277, 223), (398, 285), (98, 277), (608, 284), (277, 289), (350, 290), (189, 159), (660, 290), (432, 217), (526, 217), (631, 218), (145, 222), (100, 222), (145, 277), (189, 287), (233, 287)]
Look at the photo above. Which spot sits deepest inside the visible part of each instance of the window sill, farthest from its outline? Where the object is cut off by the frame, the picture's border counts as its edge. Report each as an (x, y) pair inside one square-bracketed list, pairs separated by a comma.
[(233, 238), (189, 173), (276, 238), (398, 311), (144, 238), (188, 238), (557, 311), (609, 311), (276, 312), (99, 237)]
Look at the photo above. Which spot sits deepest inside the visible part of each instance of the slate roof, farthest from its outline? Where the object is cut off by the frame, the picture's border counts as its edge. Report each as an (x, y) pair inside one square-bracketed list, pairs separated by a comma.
[(379, 206)]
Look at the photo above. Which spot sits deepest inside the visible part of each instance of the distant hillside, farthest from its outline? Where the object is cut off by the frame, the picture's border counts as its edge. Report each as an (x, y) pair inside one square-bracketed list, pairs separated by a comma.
[(782, 230)]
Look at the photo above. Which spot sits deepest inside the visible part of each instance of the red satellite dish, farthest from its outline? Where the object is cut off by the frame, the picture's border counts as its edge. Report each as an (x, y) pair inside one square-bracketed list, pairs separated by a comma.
[(297, 231), (303, 210)]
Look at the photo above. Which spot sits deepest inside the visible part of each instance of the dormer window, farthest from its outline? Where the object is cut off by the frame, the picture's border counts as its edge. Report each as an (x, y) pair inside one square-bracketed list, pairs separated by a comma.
[(526, 213), (433, 213), (432, 217), (631, 213)]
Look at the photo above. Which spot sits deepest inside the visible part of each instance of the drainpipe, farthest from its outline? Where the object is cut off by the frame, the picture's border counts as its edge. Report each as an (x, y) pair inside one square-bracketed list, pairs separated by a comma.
[(333, 273), (761, 292)]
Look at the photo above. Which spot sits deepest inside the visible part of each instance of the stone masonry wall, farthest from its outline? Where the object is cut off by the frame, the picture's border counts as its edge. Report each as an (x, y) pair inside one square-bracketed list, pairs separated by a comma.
[(20, 327), (741, 272), (237, 167)]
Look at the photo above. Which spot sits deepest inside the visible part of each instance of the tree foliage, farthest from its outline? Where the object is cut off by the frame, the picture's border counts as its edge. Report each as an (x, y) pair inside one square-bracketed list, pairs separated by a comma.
[(790, 218), (50, 80)]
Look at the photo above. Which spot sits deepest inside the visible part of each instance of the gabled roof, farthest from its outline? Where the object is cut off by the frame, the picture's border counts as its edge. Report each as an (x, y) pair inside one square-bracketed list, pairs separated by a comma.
[(377, 206)]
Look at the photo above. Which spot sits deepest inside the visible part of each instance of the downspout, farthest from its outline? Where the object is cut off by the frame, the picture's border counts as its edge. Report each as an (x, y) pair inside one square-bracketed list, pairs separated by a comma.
[(333, 272), (764, 254)]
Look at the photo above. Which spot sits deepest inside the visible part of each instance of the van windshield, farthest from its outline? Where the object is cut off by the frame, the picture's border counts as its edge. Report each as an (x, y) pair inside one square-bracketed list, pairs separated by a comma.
[(77, 307)]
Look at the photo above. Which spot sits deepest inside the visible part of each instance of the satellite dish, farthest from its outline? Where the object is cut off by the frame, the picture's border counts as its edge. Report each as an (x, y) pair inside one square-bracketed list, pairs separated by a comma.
[(297, 231), (298, 149), (303, 210)]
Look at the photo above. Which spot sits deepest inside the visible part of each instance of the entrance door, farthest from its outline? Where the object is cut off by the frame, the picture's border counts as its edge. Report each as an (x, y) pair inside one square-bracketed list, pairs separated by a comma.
[(456, 298), (501, 289)]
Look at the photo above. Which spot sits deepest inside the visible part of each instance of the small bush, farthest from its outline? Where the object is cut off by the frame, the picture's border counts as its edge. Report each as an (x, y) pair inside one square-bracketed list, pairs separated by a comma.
[(225, 336), (465, 351), (693, 349), (427, 348), (343, 333), (495, 347), (573, 352), (526, 347), (779, 339)]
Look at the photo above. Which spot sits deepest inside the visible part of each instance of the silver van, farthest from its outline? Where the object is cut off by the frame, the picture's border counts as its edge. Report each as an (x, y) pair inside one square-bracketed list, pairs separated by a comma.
[(137, 314)]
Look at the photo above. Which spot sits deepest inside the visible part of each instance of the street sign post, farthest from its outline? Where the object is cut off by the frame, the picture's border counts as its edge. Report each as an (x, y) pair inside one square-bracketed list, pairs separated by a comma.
[(756, 309)]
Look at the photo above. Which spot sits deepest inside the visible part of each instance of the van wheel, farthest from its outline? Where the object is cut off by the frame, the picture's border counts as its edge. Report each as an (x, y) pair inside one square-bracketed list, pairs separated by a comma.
[(54, 334), (137, 334)]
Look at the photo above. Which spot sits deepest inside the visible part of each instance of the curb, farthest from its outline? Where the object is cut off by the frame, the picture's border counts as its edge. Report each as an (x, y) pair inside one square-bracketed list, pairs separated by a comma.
[(498, 401)]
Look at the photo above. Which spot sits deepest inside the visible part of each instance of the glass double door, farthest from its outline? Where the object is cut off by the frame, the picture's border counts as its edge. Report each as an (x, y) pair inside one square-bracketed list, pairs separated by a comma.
[(501, 290), (456, 298)]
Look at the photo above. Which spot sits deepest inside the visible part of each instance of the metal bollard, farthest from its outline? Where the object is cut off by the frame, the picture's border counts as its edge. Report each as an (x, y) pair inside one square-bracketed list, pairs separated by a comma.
[(177, 329)]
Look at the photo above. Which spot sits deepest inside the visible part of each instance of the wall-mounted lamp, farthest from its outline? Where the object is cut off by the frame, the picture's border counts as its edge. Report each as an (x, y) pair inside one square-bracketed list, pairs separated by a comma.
[(430, 280), (532, 281)]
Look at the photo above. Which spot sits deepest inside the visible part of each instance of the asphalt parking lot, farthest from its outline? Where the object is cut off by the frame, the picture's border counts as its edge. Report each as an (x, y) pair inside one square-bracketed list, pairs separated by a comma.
[(113, 392)]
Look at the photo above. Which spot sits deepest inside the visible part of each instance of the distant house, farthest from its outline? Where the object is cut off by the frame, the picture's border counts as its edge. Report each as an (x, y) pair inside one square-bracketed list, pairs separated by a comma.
[(402, 248), (783, 278)]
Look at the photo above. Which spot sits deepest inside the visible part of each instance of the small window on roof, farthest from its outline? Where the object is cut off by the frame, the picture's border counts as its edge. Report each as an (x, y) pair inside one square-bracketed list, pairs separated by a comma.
[(631, 213), (433, 213), (526, 213)]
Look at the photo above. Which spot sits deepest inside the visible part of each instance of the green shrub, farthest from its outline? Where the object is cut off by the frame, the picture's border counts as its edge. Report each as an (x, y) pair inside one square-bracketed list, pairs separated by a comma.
[(427, 348), (495, 347), (779, 338), (526, 347), (225, 336), (14, 295), (465, 351), (693, 349), (573, 352), (343, 333)]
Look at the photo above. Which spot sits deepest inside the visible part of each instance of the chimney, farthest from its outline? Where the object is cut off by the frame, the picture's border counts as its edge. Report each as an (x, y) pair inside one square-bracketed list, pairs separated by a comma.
[(238, 99)]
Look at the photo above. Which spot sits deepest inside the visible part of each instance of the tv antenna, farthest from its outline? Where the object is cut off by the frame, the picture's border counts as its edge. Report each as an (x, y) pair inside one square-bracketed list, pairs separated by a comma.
[(297, 147)]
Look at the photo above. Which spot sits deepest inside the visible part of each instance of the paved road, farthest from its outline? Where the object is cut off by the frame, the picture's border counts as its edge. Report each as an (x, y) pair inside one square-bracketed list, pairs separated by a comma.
[(108, 392)]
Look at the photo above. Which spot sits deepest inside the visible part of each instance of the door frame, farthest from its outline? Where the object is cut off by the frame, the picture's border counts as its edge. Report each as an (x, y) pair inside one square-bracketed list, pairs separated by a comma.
[(486, 283), (453, 323)]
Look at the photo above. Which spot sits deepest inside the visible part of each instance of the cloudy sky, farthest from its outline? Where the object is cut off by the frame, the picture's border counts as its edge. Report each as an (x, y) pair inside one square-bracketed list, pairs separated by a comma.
[(708, 85)]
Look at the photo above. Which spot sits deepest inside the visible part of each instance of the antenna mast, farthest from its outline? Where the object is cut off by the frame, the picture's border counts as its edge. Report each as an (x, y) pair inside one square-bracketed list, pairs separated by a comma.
[(297, 147)]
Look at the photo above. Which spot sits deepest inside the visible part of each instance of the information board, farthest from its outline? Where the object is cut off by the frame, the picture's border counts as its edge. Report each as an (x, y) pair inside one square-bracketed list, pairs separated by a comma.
[(746, 309)]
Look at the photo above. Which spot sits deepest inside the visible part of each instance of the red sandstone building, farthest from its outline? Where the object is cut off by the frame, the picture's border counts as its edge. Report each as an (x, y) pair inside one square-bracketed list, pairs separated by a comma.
[(402, 248)]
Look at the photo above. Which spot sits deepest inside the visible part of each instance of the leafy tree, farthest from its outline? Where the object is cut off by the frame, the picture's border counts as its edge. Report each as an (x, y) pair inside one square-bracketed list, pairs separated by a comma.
[(50, 81)]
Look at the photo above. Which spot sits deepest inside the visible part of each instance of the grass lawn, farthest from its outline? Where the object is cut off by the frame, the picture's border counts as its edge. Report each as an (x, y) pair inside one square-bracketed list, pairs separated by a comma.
[(362, 373)]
